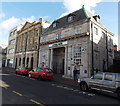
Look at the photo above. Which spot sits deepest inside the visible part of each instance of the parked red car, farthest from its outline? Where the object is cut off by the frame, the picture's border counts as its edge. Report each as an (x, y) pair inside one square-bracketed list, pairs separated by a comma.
[(41, 73), (23, 70)]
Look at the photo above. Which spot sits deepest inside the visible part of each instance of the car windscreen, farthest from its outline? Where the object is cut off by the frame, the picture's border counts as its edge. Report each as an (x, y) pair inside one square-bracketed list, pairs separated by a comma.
[(48, 70)]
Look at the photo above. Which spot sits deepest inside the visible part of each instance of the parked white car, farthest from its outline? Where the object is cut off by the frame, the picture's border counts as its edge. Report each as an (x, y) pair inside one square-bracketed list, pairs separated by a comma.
[(103, 81)]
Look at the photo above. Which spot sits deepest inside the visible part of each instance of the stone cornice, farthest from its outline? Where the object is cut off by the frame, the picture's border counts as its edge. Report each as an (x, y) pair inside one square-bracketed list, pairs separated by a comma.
[(65, 38)]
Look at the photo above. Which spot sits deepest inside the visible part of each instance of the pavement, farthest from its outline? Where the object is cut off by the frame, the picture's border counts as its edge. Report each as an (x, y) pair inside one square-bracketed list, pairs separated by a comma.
[(56, 78)]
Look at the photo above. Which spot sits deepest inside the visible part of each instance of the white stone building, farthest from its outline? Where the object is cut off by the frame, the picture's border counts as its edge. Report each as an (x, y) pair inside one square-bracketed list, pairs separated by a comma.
[(77, 39), (11, 47)]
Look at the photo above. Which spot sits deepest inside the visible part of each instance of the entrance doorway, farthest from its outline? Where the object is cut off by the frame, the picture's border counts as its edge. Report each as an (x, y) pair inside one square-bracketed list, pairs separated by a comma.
[(31, 66), (16, 63), (58, 60)]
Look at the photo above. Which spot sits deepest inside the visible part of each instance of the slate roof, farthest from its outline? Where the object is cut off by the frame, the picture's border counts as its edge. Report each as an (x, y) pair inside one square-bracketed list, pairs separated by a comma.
[(78, 15)]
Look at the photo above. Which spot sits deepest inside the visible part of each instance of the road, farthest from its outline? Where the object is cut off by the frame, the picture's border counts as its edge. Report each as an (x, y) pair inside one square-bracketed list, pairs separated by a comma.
[(18, 89)]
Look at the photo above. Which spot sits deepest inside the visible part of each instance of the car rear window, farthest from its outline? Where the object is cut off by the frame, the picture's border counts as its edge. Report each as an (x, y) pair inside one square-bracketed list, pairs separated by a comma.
[(108, 77), (22, 68), (28, 69), (48, 70), (39, 69)]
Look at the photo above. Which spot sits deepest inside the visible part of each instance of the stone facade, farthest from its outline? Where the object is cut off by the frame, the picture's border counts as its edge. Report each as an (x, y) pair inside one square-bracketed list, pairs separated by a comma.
[(11, 47), (76, 40), (27, 45)]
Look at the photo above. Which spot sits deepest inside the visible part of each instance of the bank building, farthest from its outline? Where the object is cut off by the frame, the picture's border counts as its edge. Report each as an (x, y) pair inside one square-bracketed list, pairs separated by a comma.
[(77, 39)]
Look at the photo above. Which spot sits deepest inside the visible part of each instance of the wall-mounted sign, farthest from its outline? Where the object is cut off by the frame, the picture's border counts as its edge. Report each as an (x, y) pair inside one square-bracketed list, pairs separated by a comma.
[(58, 44)]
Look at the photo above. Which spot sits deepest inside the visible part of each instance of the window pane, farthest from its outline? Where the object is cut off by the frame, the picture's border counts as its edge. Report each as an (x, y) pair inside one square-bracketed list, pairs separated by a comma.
[(109, 77), (96, 30), (48, 70), (39, 69), (98, 76)]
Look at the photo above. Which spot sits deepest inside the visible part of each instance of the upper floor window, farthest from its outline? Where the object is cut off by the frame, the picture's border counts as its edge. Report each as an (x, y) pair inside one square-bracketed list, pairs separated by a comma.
[(58, 36), (103, 35), (11, 33), (36, 32), (10, 51), (95, 31), (54, 25), (44, 39), (12, 42), (70, 18)]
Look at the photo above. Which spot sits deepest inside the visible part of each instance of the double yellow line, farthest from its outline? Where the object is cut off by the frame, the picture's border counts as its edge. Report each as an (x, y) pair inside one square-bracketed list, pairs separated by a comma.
[(30, 99), (36, 102), (17, 93)]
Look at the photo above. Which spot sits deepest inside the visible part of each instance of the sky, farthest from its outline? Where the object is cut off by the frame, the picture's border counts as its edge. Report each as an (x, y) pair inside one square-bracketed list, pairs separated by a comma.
[(16, 13)]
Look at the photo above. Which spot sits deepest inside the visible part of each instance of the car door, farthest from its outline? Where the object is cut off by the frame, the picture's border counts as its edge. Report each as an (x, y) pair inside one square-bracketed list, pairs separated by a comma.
[(19, 70), (33, 72), (22, 70), (39, 72), (96, 82), (109, 82)]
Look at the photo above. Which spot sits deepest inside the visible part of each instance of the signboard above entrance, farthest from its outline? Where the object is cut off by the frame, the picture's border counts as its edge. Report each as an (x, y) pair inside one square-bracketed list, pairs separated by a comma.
[(58, 44)]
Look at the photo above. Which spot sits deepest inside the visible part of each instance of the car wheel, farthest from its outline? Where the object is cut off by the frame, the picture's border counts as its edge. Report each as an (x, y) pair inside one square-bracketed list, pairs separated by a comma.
[(40, 78), (83, 87), (29, 75), (118, 93)]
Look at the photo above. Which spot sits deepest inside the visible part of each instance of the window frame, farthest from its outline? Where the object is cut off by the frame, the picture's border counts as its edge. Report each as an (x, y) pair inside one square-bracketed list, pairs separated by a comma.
[(70, 18), (95, 30), (54, 25)]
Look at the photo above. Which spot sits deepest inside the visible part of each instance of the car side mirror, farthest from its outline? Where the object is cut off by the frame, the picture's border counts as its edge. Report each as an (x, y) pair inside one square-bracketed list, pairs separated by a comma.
[(92, 77)]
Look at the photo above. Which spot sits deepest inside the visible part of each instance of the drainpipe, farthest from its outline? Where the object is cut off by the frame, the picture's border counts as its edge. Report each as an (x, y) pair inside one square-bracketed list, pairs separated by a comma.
[(40, 32), (25, 47), (107, 49), (92, 54), (16, 40)]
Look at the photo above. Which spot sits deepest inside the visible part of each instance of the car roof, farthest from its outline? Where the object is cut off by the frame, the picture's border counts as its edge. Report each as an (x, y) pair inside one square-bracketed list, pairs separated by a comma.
[(108, 72), (43, 67)]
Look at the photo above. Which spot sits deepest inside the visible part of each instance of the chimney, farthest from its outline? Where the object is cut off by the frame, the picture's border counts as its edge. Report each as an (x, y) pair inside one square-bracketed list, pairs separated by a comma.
[(40, 20), (47, 22), (115, 47), (97, 18)]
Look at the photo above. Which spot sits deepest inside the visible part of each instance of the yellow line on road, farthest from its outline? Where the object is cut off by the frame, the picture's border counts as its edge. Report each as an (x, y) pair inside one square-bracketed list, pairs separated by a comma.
[(36, 102), (17, 93), (3, 74), (3, 84)]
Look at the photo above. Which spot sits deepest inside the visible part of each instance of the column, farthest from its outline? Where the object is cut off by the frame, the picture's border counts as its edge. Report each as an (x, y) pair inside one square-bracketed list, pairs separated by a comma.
[(51, 58), (66, 58)]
